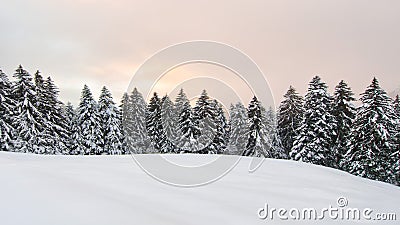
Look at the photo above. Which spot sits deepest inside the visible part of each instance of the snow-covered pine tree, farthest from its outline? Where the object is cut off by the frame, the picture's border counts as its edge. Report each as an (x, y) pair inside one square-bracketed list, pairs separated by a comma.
[(187, 129), (26, 119), (270, 126), (134, 123), (290, 117), (205, 119), (344, 112), (57, 122), (44, 137), (110, 122), (314, 143), (218, 145), (70, 116), (396, 155), (125, 104), (154, 123), (239, 129), (88, 125), (169, 122), (258, 143), (7, 105), (187, 142), (372, 136)]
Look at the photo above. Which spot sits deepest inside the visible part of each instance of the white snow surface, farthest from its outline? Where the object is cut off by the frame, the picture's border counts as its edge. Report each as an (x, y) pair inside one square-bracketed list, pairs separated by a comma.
[(113, 190)]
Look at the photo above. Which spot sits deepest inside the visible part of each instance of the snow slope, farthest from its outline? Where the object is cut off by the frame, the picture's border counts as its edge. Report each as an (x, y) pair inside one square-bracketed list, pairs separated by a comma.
[(113, 190)]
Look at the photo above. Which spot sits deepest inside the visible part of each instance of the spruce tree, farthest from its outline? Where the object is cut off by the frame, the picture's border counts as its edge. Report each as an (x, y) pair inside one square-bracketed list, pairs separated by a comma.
[(71, 122), (89, 140), (169, 122), (124, 106), (290, 117), (270, 126), (239, 129), (205, 113), (314, 143), (26, 117), (56, 128), (154, 123), (7, 105), (187, 141), (218, 145), (187, 128), (110, 122), (134, 123), (396, 155), (344, 112), (372, 136), (44, 137), (258, 143)]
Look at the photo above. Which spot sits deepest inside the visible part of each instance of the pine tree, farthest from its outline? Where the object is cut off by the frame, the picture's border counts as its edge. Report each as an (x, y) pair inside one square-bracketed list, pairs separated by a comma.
[(371, 143), (7, 105), (290, 117), (110, 122), (134, 124), (205, 119), (27, 118), (270, 126), (239, 129), (258, 143), (344, 112), (169, 122), (124, 106), (44, 137), (71, 122), (154, 123), (218, 145), (314, 143), (188, 129), (88, 125), (396, 155), (57, 128)]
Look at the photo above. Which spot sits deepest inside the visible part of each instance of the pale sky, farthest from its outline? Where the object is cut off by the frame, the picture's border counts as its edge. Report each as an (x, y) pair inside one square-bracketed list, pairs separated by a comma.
[(104, 42)]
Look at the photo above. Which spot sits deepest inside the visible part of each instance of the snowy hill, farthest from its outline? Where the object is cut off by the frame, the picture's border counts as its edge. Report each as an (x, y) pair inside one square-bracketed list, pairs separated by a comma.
[(39, 189)]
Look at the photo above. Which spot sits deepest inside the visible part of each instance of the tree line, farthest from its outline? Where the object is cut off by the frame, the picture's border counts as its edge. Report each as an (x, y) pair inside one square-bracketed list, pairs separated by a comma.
[(319, 128)]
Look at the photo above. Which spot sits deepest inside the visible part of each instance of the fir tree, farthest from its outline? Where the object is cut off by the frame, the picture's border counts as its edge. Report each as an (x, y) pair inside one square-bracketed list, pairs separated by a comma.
[(314, 143), (110, 122), (239, 129), (154, 123), (344, 112), (258, 143), (58, 128), (290, 116), (169, 122), (70, 116), (7, 105), (134, 123), (396, 155), (218, 144), (371, 143), (188, 129), (88, 125), (124, 106), (205, 119), (270, 126), (27, 118)]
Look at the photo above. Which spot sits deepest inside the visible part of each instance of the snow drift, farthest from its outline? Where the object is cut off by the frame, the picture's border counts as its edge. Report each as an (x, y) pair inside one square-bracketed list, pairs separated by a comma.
[(44, 189)]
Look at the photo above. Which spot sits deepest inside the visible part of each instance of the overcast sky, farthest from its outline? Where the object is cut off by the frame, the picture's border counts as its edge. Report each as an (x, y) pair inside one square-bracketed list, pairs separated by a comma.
[(104, 42)]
